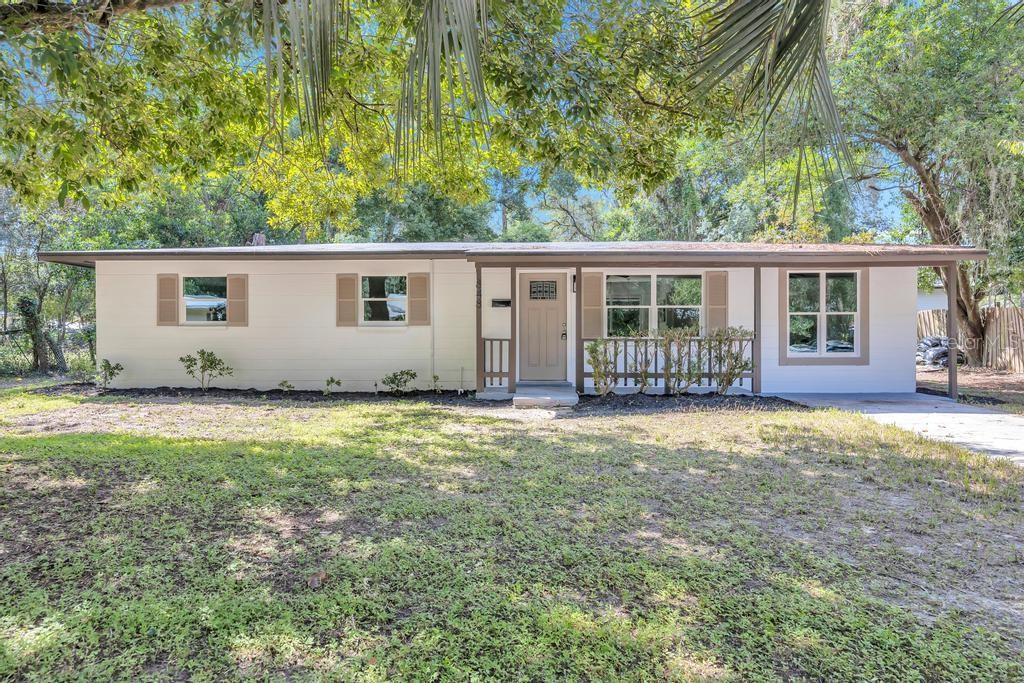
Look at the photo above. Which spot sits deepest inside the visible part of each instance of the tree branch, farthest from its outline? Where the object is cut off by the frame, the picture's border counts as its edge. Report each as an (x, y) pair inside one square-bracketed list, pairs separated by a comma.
[(55, 14)]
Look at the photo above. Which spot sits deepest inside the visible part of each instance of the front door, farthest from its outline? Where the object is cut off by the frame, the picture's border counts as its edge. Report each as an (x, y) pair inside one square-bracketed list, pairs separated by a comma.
[(542, 333)]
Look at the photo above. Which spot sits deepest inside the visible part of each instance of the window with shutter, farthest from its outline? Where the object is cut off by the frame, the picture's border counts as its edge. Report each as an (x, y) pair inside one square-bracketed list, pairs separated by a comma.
[(593, 305), (419, 299), (167, 299), (238, 300), (717, 299), (347, 300)]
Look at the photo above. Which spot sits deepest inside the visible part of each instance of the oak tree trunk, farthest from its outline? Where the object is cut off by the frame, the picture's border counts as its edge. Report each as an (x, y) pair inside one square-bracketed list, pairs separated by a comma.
[(930, 207)]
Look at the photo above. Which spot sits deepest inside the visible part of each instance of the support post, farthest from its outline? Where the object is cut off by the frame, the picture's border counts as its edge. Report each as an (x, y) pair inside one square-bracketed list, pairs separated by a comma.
[(578, 328), (513, 324), (952, 320), (755, 352), (479, 333)]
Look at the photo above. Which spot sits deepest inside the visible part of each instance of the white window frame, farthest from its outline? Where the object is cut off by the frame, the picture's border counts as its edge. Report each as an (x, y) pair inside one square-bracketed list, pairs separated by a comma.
[(822, 315), (653, 307), (363, 322), (183, 309)]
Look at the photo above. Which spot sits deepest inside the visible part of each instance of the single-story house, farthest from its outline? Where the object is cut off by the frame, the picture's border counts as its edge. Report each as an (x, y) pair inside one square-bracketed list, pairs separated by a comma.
[(492, 317)]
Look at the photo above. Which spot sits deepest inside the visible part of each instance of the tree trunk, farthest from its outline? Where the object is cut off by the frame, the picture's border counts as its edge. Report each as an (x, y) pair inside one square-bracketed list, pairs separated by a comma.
[(34, 329), (4, 295), (58, 353), (930, 207)]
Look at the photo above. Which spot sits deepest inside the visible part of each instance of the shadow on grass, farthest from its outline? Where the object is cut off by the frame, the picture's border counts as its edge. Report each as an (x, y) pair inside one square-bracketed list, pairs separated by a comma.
[(454, 546)]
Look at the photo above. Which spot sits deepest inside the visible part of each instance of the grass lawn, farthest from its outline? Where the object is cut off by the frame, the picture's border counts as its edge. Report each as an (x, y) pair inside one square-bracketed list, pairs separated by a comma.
[(173, 538)]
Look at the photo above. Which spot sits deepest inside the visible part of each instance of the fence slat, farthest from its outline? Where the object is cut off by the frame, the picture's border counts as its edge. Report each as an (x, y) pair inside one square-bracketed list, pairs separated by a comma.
[(1004, 335)]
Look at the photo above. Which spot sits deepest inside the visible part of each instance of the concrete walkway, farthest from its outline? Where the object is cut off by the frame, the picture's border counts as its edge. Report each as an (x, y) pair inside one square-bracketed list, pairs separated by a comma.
[(970, 426)]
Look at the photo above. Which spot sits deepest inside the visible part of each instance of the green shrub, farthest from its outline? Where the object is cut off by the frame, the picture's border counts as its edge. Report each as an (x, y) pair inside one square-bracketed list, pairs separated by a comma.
[(205, 366), (107, 372), (398, 382), (727, 356), (329, 385), (435, 384), (602, 367), (285, 386), (639, 361), (683, 360)]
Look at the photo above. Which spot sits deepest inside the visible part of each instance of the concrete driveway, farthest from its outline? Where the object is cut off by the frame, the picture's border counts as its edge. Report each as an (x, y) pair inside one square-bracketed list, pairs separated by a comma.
[(979, 429)]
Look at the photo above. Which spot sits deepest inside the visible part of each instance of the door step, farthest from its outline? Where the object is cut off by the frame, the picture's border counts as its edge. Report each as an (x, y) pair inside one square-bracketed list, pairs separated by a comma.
[(558, 395)]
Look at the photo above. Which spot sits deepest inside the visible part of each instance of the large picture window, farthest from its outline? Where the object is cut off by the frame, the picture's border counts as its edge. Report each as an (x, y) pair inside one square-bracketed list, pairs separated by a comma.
[(206, 299), (384, 298), (823, 311), (632, 311)]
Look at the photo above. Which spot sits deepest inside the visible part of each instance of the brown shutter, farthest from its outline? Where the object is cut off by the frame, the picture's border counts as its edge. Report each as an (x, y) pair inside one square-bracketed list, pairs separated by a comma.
[(717, 299), (347, 300), (238, 300), (419, 298), (167, 299), (592, 291)]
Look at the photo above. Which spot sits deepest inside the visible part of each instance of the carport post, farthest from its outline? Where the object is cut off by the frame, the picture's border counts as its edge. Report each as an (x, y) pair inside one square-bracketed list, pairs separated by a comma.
[(951, 326)]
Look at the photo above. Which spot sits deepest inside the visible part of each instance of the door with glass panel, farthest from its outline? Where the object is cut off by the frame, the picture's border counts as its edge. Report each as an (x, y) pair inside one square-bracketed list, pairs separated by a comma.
[(542, 327)]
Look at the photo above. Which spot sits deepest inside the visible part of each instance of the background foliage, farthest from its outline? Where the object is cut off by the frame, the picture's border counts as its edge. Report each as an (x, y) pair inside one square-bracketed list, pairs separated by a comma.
[(151, 129)]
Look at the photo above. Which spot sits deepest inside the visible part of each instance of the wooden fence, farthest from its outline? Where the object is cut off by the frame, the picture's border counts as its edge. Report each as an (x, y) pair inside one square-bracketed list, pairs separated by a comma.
[(1004, 335)]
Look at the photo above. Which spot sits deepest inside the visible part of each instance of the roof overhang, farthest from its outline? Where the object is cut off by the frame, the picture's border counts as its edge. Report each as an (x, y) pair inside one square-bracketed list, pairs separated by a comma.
[(562, 254)]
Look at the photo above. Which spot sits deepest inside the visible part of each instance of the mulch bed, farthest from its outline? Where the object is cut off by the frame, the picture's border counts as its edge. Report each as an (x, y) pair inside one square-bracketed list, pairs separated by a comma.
[(588, 405), (214, 394), (639, 403), (968, 397)]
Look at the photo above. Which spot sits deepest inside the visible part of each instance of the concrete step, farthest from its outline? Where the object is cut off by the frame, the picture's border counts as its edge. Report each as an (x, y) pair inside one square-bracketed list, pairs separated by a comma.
[(545, 396)]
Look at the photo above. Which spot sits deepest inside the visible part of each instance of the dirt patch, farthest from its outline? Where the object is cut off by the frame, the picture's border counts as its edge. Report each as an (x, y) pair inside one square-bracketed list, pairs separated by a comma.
[(981, 386)]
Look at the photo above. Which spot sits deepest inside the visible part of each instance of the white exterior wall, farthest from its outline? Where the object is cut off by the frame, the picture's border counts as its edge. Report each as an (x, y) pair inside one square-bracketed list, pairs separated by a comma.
[(495, 283), (291, 333), (892, 311)]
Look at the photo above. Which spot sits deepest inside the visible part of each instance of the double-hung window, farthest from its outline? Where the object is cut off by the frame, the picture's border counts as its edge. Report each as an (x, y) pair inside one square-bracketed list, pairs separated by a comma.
[(384, 299), (823, 314), (640, 305)]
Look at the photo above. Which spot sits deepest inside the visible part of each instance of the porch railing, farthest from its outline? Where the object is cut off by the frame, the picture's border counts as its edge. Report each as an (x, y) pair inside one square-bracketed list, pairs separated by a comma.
[(496, 362), (630, 356)]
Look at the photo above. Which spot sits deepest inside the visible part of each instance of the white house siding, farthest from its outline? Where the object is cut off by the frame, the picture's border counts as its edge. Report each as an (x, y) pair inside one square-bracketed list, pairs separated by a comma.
[(892, 304), (495, 283), (291, 333)]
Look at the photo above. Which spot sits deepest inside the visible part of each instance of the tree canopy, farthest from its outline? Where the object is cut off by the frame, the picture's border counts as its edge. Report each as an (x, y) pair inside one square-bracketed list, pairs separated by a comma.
[(163, 122)]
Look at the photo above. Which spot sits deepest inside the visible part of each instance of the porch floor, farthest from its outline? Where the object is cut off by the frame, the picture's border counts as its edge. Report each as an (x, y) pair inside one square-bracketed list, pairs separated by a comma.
[(545, 395)]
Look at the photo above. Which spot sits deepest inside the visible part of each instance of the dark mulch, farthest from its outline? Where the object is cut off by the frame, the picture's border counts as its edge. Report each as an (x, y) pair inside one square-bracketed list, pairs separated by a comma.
[(966, 397), (214, 394), (640, 403), (588, 405)]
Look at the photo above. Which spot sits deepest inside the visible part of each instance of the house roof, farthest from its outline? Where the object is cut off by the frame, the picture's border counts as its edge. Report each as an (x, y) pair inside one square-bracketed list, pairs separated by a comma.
[(562, 253)]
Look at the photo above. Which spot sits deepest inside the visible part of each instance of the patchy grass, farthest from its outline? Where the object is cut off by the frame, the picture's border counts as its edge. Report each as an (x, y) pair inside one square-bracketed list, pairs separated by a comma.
[(373, 540)]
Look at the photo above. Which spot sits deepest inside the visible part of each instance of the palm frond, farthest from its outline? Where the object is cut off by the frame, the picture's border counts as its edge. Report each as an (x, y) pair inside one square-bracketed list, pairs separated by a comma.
[(780, 45), (1014, 12), (300, 47), (446, 62)]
